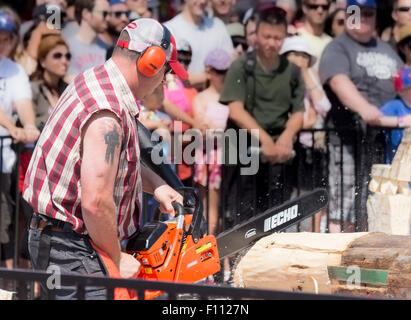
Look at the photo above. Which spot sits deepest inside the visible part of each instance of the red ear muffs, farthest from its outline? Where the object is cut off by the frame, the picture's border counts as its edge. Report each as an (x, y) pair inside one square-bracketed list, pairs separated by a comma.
[(151, 61)]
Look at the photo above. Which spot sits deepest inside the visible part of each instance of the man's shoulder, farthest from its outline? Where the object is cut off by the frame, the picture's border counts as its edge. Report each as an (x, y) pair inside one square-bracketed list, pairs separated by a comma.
[(175, 21), (11, 69)]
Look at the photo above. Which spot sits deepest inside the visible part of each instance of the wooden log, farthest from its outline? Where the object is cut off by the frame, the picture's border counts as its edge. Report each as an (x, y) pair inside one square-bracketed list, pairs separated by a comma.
[(293, 261), (379, 263)]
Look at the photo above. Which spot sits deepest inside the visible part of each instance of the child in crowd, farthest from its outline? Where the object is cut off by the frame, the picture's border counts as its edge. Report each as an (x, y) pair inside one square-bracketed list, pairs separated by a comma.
[(317, 105), (207, 108), (397, 112), (178, 100)]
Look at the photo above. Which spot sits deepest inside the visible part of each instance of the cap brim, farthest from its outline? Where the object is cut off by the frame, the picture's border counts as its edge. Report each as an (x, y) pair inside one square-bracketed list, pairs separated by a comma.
[(178, 69)]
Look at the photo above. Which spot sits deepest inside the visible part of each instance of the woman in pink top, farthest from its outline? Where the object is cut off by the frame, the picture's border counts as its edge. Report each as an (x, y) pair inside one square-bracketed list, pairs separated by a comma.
[(207, 109)]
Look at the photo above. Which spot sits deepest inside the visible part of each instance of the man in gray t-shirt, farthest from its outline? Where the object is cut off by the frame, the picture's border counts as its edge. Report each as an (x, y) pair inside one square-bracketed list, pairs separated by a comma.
[(86, 49), (356, 69)]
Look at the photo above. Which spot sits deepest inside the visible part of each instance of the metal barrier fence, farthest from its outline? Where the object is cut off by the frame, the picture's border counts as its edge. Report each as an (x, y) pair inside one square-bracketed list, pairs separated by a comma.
[(317, 175), (171, 290), (313, 167)]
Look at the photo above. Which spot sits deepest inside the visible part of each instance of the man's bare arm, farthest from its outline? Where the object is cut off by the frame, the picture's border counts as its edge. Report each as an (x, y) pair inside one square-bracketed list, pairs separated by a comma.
[(350, 97), (101, 145), (27, 117)]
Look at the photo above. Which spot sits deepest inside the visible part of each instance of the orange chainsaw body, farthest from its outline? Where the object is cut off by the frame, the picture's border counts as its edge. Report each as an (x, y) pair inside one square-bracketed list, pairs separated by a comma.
[(166, 253)]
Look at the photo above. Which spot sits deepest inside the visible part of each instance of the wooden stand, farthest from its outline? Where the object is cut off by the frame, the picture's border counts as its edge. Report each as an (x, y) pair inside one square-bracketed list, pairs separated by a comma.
[(374, 264), (389, 205)]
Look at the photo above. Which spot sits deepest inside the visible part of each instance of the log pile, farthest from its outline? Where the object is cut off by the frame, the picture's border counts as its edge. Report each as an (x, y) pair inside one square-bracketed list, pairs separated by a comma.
[(389, 204), (367, 264)]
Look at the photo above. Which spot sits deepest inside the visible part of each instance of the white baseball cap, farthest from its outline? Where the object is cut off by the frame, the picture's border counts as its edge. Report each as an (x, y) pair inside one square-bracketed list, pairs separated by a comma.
[(145, 33), (298, 44)]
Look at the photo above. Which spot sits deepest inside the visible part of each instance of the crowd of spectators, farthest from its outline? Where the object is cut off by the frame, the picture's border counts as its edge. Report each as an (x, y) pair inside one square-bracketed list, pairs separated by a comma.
[(313, 66)]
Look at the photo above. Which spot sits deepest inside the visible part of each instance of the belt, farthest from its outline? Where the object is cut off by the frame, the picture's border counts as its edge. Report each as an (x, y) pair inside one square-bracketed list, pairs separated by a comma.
[(40, 224)]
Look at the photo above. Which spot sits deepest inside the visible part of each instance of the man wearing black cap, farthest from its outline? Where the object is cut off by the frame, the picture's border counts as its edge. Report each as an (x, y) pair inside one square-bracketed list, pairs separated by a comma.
[(84, 181)]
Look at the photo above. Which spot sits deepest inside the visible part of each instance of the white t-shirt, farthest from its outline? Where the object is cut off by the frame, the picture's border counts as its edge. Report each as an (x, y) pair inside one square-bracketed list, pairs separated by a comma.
[(211, 34), (14, 86), (84, 56)]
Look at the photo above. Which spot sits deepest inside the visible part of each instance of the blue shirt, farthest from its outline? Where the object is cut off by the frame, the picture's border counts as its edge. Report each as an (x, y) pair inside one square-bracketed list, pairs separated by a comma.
[(394, 108)]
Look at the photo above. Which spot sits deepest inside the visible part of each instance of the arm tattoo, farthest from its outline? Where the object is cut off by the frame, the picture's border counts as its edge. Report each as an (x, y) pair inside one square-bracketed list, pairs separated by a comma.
[(112, 139)]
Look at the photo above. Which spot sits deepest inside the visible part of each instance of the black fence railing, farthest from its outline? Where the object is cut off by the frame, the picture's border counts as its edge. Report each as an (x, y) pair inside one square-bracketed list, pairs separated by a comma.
[(319, 175), (171, 290)]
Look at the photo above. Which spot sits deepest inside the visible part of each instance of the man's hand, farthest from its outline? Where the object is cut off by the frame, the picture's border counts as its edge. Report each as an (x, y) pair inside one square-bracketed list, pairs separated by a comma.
[(370, 114), (285, 149), (407, 120), (269, 151), (166, 196), (278, 152), (129, 266), (31, 133), (18, 134)]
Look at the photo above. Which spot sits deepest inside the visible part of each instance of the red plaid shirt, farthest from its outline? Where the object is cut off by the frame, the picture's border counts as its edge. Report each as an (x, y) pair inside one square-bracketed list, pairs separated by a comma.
[(52, 183)]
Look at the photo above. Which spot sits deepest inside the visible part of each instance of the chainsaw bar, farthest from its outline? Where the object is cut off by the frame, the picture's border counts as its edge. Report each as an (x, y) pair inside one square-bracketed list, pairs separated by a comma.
[(272, 220)]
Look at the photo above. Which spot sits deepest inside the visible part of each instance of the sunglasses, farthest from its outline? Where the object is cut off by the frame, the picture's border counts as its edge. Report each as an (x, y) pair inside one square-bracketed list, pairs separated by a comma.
[(310, 6), (59, 55), (240, 42), (340, 22), (403, 9), (103, 13), (118, 14)]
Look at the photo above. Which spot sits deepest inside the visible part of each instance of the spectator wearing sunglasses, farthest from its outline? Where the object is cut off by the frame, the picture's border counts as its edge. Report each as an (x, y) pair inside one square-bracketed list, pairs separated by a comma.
[(404, 44), (48, 81), (401, 14), (237, 34), (356, 69), (15, 97), (312, 28), (47, 85), (86, 48), (117, 19), (335, 23)]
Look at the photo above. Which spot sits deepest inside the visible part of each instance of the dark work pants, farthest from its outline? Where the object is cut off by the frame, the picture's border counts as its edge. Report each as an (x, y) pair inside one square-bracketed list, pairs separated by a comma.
[(70, 253)]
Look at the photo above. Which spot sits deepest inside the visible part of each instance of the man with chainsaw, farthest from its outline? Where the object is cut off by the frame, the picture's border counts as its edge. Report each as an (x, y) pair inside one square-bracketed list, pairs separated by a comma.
[(84, 181)]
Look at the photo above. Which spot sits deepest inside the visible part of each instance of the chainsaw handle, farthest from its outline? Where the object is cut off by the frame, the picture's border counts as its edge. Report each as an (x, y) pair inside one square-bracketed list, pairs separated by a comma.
[(177, 207)]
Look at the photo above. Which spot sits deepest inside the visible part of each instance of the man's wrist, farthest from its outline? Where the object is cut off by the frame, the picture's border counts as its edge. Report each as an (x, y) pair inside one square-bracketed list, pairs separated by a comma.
[(401, 122), (30, 127)]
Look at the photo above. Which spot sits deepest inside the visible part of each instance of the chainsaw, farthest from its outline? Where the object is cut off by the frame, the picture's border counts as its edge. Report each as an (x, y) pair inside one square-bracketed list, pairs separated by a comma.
[(179, 249)]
